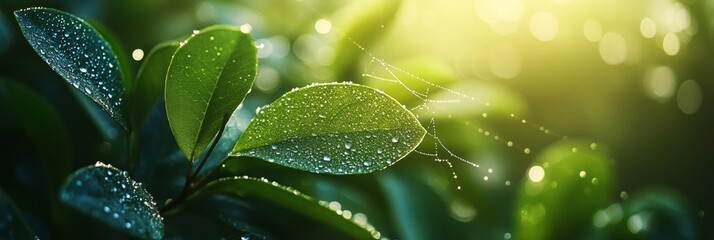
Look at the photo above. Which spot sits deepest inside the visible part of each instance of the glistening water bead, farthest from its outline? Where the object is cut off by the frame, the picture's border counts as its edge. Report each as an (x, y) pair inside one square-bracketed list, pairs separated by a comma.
[(73, 49), (109, 195)]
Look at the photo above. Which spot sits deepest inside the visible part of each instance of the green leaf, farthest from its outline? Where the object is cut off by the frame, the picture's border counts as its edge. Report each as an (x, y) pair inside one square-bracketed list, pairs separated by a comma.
[(12, 226), (78, 53), (337, 128), (291, 199), (568, 183), (109, 195), (209, 75), (150, 80)]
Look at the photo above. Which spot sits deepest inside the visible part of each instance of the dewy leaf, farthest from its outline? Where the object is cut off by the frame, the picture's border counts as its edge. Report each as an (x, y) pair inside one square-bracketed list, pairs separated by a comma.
[(291, 199), (337, 128), (12, 226), (78, 53), (209, 75), (109, 195), (150, 80)]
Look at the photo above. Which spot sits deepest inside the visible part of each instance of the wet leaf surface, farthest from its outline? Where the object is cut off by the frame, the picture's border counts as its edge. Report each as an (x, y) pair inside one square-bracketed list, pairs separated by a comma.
[(79, 54), (109, 195), (336, 128)]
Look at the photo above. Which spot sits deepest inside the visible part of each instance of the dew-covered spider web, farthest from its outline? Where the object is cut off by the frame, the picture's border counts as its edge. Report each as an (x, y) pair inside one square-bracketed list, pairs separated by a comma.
[(427, 108)]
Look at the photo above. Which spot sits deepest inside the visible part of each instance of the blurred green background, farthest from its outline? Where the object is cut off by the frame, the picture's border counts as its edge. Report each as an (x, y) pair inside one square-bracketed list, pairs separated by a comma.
[(626, 81)]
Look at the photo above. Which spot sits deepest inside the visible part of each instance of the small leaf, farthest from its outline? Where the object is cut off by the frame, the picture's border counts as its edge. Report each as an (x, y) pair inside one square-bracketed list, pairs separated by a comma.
[(109, 195), (12, 226), (78, 53), (150, 80), (332, 128), (291, 199), (568, 183), (209, 75)]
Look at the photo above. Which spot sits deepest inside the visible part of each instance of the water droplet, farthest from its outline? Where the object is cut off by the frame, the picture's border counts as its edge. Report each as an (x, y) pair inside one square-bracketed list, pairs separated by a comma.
[(83, 70), (326, 158), (395, 140), (582, 174)]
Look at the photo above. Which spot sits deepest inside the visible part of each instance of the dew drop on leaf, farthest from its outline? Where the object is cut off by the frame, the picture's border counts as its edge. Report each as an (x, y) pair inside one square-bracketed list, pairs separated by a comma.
[(93, 191), (72, 48)]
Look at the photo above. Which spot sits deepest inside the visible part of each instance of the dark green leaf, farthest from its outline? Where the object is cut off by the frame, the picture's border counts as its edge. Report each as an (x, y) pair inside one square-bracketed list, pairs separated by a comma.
[(12, 226), (291, 199), (150, 80), (337, 128), (109, 195), (209, 75), (561, 192), (78, 53), (43, 125)]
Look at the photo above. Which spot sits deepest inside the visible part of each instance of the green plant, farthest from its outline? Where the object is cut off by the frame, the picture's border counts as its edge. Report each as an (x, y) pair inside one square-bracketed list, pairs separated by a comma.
[(196, 83)]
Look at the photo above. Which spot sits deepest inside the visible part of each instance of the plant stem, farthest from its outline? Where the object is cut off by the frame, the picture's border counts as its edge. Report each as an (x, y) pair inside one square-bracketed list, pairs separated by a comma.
[(188, 187)]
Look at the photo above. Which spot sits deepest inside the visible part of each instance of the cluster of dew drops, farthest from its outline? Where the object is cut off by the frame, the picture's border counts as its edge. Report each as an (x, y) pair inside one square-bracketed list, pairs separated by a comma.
[(78, 54), (134, 208)]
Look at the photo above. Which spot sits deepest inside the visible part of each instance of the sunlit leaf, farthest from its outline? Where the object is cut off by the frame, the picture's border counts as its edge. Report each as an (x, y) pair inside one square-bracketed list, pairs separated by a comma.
[(109, 195), (12, 226), (291, 199), (78, 53), (332, 128), (562, 190), (150, 80), (209, 75)]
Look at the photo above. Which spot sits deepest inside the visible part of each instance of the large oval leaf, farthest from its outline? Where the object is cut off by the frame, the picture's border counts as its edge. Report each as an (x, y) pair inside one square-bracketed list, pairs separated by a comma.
[(109, 195), (78, 53), (291, 199), (209, 75), (568, 183), (337, 128)]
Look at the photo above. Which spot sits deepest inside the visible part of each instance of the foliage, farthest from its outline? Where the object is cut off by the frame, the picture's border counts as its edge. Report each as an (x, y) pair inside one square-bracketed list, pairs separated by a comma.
[(206, 77), (232, 126)]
